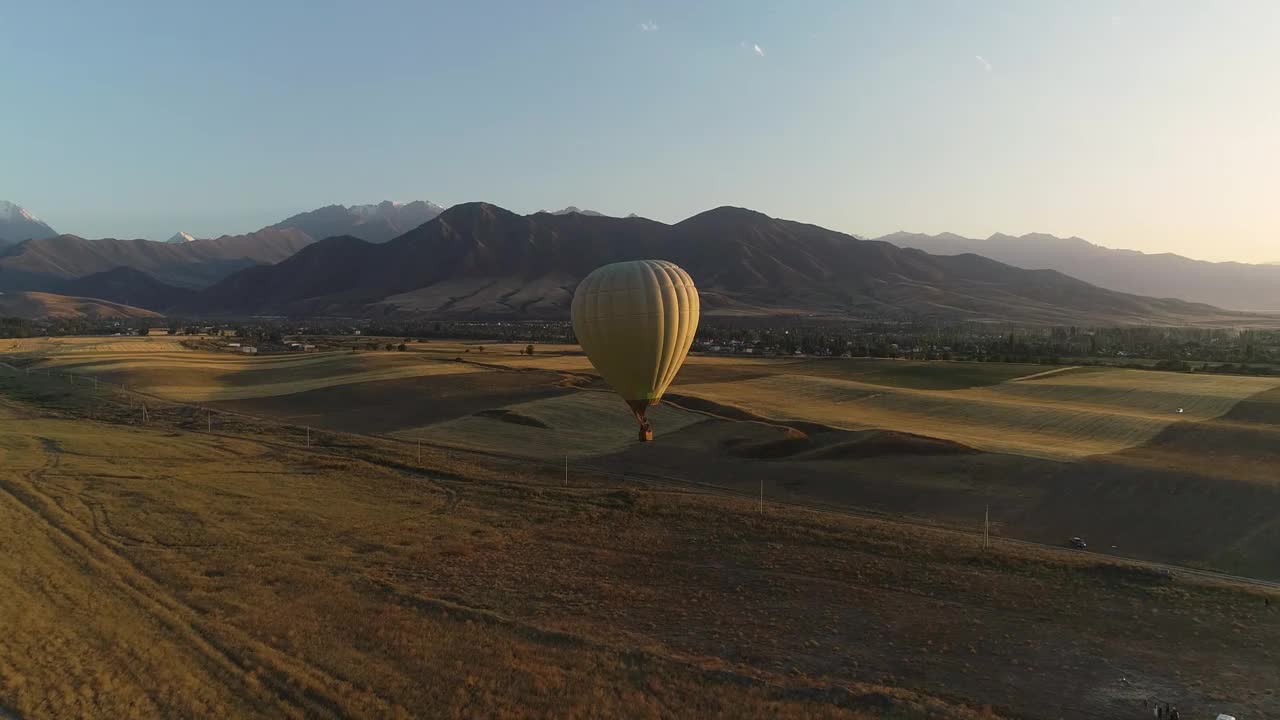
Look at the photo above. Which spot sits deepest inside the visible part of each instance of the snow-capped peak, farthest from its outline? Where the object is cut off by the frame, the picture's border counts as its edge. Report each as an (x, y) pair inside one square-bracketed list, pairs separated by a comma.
[(181, 237), (12, 212), (386, 206)]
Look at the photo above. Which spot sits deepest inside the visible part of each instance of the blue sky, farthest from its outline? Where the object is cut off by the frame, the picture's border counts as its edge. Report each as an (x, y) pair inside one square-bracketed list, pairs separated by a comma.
[(1150, 125)]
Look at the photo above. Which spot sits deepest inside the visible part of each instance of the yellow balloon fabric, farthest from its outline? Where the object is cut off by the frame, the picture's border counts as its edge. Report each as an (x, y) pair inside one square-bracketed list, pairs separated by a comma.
[(636, 321)]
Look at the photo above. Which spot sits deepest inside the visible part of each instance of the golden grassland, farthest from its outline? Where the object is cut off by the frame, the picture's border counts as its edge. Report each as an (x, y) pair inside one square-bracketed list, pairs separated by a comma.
[(1057, 413), (195, 376), (91, 344), (1060, 413), (172, 573), (1063, 416)]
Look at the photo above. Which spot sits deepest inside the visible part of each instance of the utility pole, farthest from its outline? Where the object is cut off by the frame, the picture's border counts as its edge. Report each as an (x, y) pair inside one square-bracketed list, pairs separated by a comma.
[(208, 416), (566, 471), (986, 529), (144, 413), (761, 494), (419, 452), (308, 436)]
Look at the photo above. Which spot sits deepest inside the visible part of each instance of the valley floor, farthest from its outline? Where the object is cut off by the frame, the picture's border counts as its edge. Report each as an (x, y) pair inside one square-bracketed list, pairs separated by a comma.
[(251, 571)]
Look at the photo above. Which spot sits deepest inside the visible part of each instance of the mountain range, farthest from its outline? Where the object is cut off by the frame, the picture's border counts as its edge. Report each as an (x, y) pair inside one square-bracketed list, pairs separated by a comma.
[(480, 261), (1234, 285), (46, 260), (371, 223), (572, 209), (36, 264)]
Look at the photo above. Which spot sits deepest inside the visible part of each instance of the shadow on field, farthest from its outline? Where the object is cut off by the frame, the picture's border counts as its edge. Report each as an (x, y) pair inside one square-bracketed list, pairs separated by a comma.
[(380, 406), (1200, 493)]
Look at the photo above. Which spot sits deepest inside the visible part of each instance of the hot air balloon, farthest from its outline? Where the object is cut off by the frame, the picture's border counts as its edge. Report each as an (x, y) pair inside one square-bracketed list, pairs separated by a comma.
[(636, 321)]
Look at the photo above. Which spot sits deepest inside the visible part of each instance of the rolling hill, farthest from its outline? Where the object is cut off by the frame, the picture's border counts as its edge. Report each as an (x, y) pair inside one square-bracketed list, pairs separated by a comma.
[(478, 260), (1234, 285), (39, 305)]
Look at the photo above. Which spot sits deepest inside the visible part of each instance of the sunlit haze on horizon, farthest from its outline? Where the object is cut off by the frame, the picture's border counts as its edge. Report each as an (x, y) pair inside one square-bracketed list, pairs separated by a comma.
[(1146, 125)]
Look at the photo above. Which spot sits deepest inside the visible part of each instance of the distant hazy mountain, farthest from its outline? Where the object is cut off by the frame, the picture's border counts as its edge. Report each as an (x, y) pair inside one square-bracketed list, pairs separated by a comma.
[(571, 209), (41, 305), (127, 286), (189, 264), (184, 261), (373, 223), (1238, 286), (16, 225), (481, 261)]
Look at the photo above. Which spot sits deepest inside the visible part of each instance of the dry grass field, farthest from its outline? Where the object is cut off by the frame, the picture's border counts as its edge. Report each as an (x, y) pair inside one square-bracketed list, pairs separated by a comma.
[(170, 572), (577, 425), (1019, 409), (1066, 415), (195, 376), (1053, 452), (120, 344)]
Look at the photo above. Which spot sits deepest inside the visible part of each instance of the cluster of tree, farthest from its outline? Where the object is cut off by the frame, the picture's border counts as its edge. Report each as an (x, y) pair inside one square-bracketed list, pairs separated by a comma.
[(1181, 349), (534, 331), (53, 327), (1165, 348), (19, 328)]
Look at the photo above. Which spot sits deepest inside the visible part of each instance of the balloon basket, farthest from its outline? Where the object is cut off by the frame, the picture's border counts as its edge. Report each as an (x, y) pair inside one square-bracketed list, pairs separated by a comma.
[(646, 435)]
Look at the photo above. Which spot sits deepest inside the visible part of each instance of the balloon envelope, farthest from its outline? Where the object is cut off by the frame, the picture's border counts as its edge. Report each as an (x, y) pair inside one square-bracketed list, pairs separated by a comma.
[(636, 321)]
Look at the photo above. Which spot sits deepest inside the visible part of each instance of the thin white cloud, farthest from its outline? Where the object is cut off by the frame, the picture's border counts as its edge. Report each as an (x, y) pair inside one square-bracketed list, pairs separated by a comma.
[(758, 51), (986, 65), (650, 26)]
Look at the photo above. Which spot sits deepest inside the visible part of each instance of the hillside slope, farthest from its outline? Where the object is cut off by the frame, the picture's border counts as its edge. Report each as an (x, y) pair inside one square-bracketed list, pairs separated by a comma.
[(479, 260), (39, 306)]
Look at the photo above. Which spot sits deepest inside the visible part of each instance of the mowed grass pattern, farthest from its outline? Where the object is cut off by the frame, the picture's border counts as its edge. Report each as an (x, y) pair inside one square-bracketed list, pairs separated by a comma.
[(1056, 413), (580, 424), (205, 377), (64, 345), (1065, 415)]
